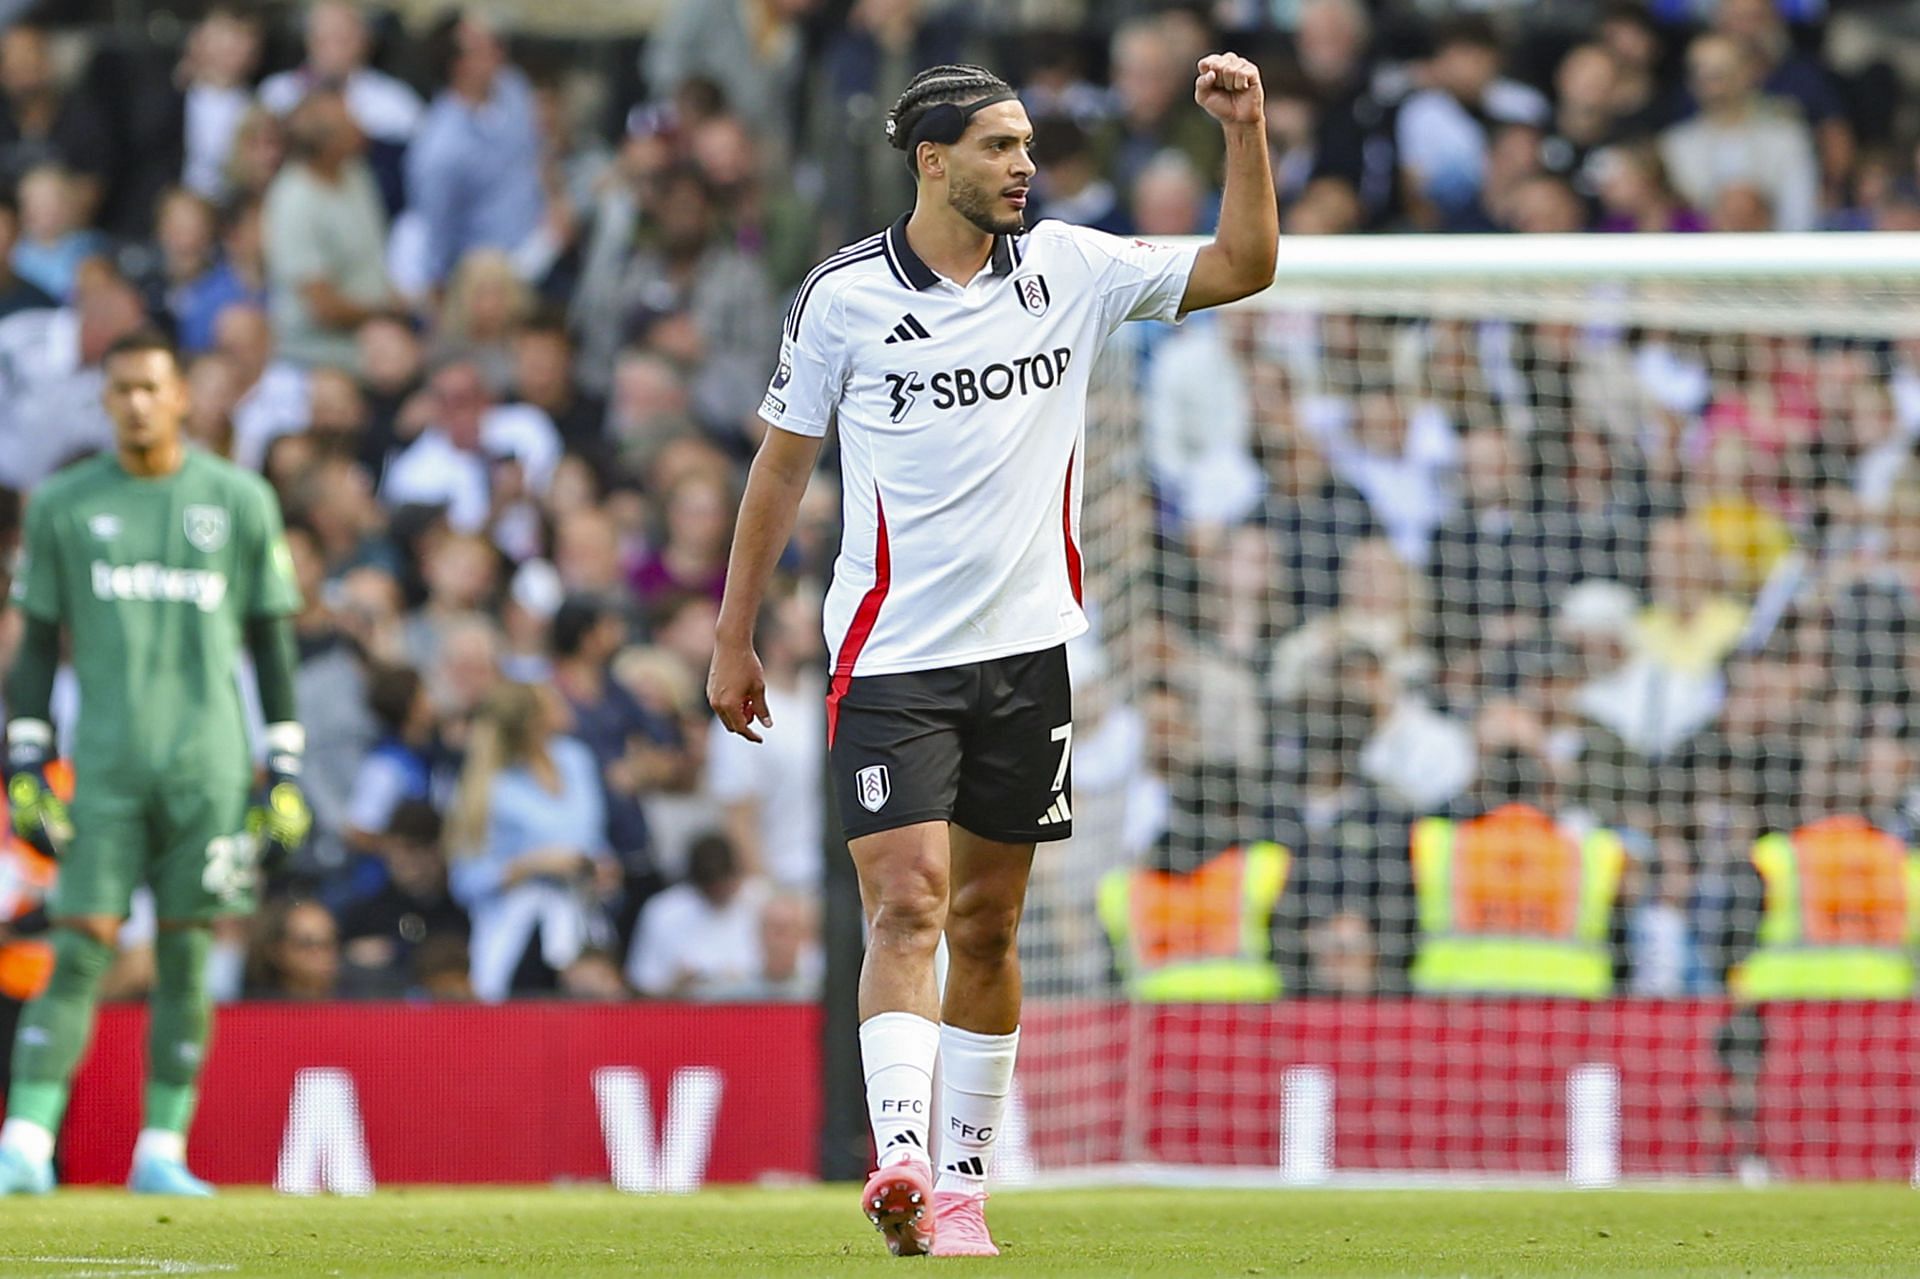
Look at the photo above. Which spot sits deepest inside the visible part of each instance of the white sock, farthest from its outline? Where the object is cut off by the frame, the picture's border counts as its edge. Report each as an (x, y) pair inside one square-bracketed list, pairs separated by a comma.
[(976, 1073), (158, 1143), (29, 1138), (897, 1052)]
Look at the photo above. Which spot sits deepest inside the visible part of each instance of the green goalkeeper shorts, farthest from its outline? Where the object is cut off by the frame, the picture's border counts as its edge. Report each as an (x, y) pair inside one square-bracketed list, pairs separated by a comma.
[(184, 839)]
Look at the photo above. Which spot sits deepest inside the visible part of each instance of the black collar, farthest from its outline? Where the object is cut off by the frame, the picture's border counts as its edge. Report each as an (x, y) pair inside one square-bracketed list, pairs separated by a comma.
[(917, 275)]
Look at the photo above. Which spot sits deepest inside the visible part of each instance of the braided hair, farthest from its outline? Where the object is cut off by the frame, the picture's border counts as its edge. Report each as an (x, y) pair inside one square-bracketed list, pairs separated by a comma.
[(956, 82)]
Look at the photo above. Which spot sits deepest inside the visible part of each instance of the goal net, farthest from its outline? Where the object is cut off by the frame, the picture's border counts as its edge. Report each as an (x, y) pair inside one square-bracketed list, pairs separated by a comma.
[(1495, 749)]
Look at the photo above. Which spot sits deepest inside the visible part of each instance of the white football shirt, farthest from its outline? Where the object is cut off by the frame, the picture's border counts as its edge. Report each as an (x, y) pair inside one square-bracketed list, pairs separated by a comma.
[(962, 411)]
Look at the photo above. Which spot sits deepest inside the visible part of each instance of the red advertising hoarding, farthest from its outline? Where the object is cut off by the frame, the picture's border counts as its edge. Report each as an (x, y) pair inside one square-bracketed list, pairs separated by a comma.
[(664, 1096)]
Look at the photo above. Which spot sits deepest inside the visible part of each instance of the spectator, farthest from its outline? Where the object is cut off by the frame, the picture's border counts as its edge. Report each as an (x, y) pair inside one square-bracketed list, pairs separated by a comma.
[(1741, 137), (398, 770), (295, 953), (386, 110), (647, 408), (383, 934), (473, 171), (866, 66), (1152, 88), (772, 790), (392, 366), (186, 233), (586, 552), (325, 233), (694, 298), (213, 388), (1069, 185), (1168, 197), (1353, 138), (223, 51), (259, 149), (1586, 97), (1198, 426), (692, 558), (484, 305), (1635, 194), (16, 294), (52, 411), (543, 376), (1789, 74), (632, 746), (54, 238), (42, 123), (238, 277), (273, 398), (454, 460), (1640, 105), (328, 690), (701, 939), (1444, 131), (461, 572), (755, 48), (1400, 458), (527, 841), (766, 221)]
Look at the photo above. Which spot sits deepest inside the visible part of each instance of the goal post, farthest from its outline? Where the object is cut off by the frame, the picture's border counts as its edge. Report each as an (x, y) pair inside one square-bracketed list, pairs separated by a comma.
[(1542, 608)]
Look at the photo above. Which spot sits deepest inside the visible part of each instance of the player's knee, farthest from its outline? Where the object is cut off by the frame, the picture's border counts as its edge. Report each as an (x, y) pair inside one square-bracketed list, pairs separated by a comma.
[(80, 960), (981, 930), (910, 908)]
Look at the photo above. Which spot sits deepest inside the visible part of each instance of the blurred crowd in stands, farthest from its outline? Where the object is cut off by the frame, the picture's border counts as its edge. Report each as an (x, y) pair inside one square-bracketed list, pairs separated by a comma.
[(493, 317)]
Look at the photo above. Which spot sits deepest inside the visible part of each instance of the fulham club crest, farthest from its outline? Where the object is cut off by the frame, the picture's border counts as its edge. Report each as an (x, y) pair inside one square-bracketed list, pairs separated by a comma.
[(1033, 294), (873, 787)]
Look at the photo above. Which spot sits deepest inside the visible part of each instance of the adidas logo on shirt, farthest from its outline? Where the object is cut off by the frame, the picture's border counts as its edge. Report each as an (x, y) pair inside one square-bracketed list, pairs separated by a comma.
[(908, 329), (1061, 811)]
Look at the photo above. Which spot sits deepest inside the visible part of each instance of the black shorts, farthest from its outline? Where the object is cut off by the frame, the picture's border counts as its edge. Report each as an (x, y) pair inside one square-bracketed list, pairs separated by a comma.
[(987, 746)]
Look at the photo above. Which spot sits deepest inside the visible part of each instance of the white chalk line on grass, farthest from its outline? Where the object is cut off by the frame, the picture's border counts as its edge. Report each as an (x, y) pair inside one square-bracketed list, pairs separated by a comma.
[(121, 1267)]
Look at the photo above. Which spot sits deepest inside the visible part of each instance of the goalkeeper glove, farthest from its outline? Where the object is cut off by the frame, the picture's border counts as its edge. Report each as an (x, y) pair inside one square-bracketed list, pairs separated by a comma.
[(281, 818), (39, 816)]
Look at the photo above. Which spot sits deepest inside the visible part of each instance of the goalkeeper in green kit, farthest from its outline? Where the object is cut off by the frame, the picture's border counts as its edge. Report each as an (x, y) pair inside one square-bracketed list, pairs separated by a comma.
[(162, 563)]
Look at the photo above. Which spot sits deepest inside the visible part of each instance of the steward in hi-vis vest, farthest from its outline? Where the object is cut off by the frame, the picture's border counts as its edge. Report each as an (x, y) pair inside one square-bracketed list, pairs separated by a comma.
[(1511, 904), (1204, 936), (1841, 919)]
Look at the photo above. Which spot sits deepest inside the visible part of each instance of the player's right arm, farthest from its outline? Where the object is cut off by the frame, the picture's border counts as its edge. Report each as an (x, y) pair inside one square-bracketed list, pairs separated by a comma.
[(736, 686), (39, 815), (804, 392)]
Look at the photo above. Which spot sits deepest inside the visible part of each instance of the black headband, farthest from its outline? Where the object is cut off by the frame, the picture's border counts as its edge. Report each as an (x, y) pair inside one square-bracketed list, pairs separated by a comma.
[(944, 122)]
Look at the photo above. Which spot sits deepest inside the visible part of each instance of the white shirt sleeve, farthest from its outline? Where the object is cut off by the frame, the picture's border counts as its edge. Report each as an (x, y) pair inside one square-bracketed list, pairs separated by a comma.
[(807, 381), (1137, 280)]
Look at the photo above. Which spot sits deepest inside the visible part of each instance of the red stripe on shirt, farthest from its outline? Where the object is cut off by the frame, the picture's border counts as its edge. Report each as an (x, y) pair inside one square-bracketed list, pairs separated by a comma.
[(864, 618), (1066, 528)]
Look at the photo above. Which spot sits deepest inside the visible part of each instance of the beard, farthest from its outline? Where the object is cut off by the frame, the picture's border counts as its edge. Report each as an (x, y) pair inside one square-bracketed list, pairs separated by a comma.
[(972, 201)]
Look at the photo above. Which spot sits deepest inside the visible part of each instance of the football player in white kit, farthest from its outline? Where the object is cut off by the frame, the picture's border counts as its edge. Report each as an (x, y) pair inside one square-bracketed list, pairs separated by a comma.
[(954, 347)]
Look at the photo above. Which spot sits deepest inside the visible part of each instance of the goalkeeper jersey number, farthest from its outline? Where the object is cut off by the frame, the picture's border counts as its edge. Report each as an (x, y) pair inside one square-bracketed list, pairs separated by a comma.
[(154, 580)]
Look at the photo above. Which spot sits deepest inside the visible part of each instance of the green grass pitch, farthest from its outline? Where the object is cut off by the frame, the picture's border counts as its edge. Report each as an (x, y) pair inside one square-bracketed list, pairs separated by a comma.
[(1829, 1231)]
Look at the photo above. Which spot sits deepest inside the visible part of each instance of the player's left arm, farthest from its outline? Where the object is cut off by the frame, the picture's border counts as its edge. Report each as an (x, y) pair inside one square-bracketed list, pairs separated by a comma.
[(1246, 244), (281, 818)]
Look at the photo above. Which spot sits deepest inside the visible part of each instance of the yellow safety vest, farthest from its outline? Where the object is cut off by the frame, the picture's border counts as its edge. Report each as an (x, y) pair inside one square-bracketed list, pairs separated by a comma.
[(1510, 905), (1842, 915), (1202, 937)]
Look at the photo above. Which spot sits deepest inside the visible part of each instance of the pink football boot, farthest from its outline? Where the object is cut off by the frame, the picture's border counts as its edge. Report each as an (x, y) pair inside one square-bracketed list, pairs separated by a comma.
[(960, 1226), (898, 1200)]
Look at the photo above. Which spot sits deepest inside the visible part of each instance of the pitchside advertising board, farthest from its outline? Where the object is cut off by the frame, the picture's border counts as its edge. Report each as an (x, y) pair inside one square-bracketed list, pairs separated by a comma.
[(664, 1097)]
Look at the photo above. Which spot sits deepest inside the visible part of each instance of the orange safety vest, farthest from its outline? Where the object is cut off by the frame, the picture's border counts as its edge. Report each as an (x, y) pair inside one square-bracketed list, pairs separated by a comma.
[(1199, 937), (1842, 915), (26, 877), (1511, 904)]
